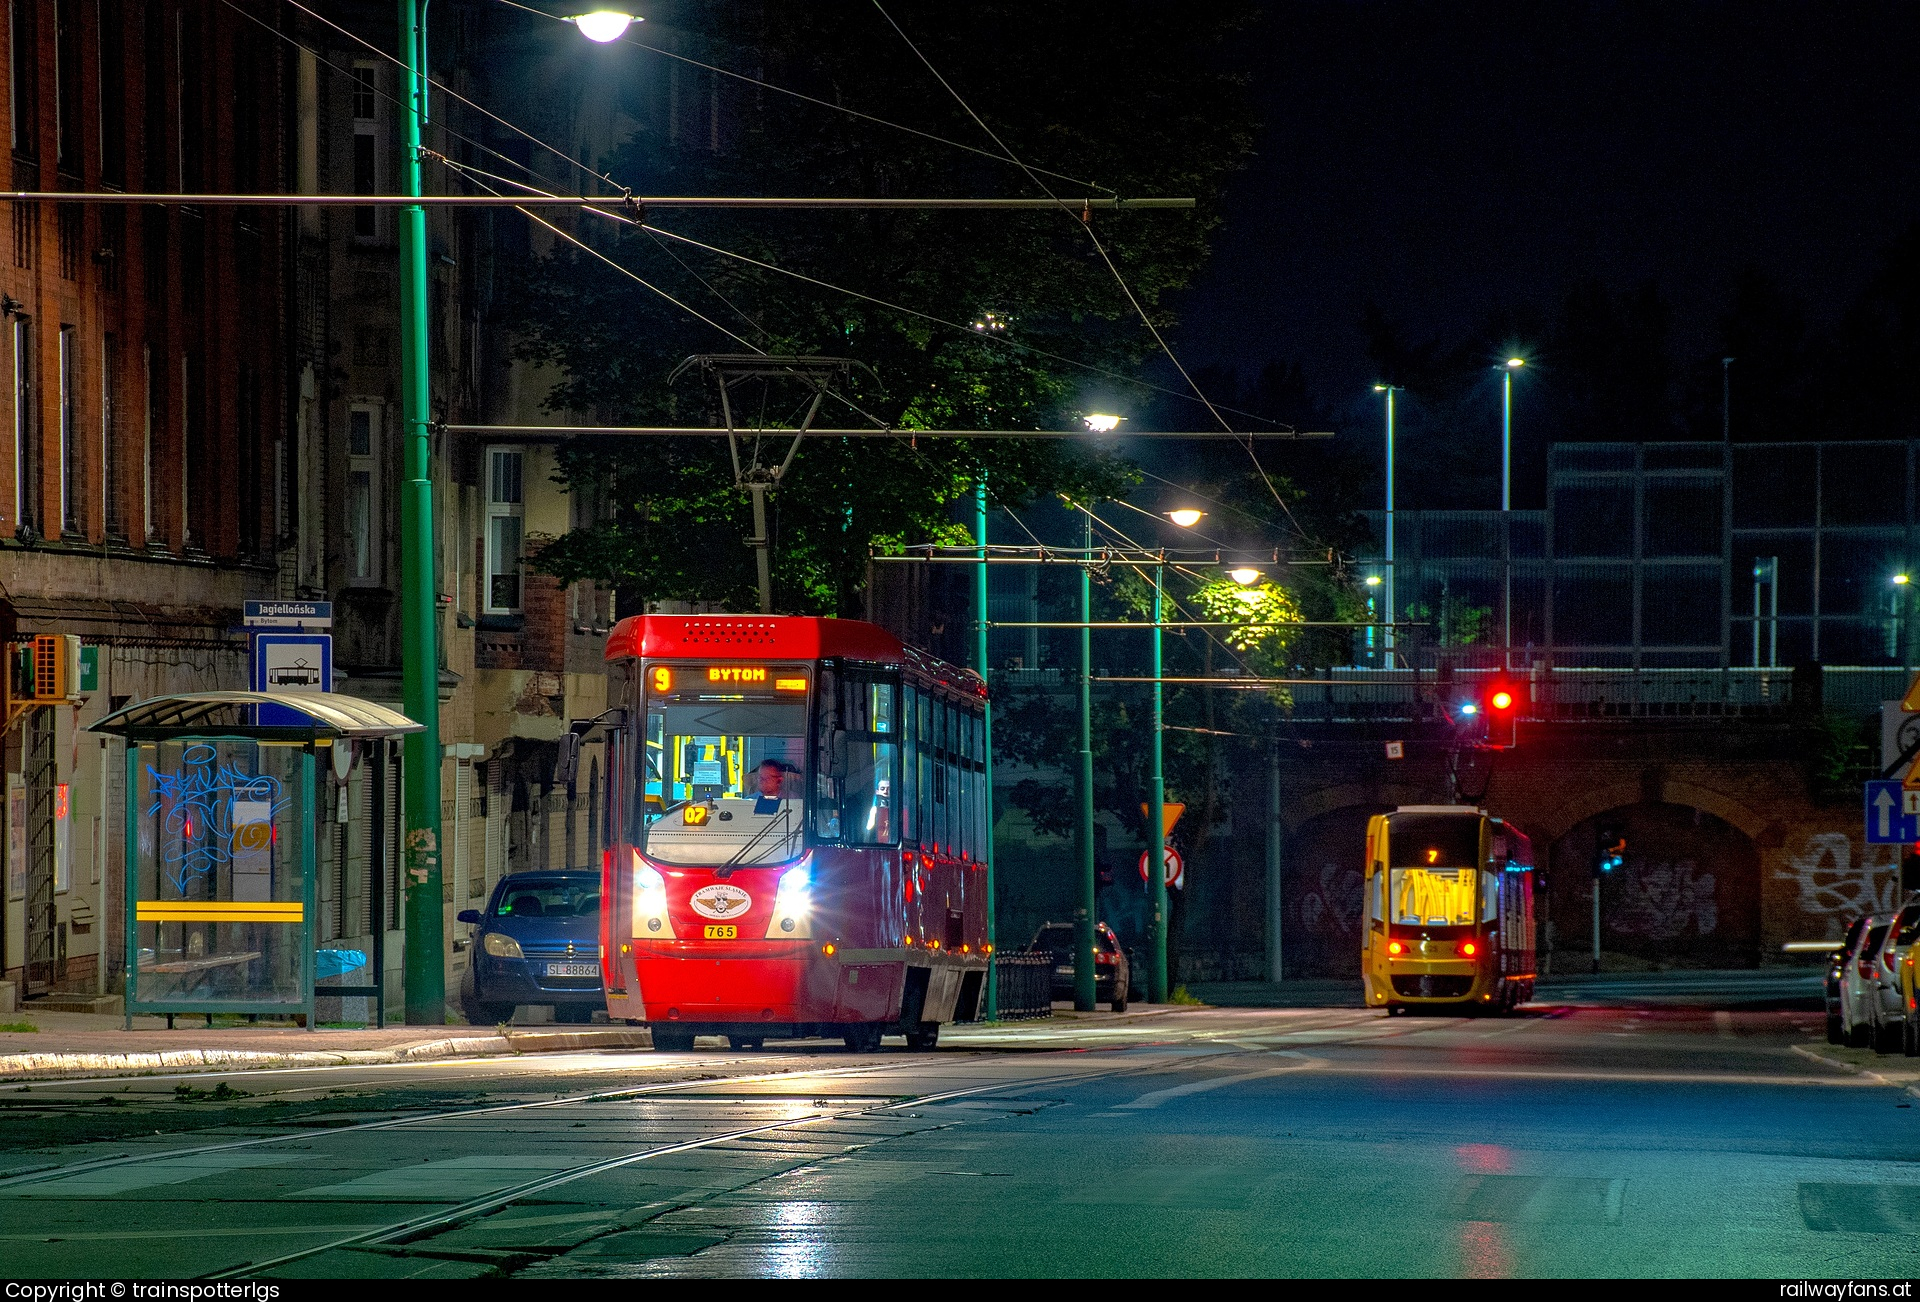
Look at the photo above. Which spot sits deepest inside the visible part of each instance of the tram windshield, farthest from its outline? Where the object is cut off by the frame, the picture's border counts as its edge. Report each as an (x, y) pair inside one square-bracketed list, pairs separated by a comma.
[(725, 752), (1434, 878)]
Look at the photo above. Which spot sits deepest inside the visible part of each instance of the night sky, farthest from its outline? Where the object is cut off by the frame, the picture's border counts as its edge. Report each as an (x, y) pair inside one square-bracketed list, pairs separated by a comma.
[(1445, 161)]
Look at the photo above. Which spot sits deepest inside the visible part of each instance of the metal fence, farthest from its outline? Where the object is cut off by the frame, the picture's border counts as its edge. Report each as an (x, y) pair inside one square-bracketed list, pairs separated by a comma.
[(1025, 984), (1357, 695)]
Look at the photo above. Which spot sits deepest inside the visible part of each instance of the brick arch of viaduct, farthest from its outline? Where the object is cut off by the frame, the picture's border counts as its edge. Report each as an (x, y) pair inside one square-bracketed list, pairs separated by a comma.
[(1558, 805), (1814, 869)]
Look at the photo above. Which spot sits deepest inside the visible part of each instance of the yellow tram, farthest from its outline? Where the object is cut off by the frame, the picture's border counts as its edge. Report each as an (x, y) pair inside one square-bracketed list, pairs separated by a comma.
[(1448, 912)]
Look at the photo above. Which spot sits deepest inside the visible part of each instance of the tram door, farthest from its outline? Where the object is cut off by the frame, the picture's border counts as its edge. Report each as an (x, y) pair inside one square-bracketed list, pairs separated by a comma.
[(1374, 967)]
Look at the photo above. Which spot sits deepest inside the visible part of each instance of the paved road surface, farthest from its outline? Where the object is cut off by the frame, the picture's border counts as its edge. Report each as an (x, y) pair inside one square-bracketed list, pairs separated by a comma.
[(1579, 1140)]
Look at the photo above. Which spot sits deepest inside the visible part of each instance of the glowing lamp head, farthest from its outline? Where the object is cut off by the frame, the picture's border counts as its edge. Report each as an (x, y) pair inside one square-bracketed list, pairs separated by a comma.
[(1469, 708), (603, 25), (1373, 580), (1101, 423), (1186, 517), (1515, 363), (1902, 580), (1244, 575)]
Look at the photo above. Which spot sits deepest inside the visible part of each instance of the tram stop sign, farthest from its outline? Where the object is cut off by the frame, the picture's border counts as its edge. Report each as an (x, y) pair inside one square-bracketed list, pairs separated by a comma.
[(1176, 868)]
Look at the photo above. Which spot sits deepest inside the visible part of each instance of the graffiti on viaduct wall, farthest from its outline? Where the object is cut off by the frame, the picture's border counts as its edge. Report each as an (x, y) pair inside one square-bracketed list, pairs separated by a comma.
[(1723, 864)]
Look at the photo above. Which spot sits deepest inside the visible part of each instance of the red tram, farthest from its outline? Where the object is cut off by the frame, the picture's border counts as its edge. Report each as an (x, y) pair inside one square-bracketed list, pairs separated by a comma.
[(797, 828)]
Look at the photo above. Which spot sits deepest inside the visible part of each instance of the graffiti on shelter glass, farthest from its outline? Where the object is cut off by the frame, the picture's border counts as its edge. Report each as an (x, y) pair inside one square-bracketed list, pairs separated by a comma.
[(212, 816)]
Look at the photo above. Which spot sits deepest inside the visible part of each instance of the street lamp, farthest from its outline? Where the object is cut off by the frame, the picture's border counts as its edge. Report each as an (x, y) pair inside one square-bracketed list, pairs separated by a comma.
[(1244, 575), (1506, 506), (426, 927), (603, 25), (1899, 583), (1386, 639), (1511, 365), (1101, 423), (1186, 518), (426, 943)]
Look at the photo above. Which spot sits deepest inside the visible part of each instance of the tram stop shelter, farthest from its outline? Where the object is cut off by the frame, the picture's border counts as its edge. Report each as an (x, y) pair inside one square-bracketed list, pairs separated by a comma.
[(225, 798)]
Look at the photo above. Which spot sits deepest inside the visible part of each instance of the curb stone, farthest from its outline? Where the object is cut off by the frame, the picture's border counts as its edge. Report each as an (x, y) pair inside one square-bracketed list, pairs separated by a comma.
[(26, 1066)]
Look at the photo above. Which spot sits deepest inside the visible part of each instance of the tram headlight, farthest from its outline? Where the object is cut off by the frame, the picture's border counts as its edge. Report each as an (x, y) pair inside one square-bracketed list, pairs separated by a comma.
[(501, 945), (649, 900), (792, 905)]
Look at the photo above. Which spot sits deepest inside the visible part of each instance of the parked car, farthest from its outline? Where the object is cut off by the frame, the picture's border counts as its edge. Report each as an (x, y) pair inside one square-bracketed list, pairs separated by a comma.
[(537, 942), (1890, 1005), (1857, 985), (1836, 980), (1112, 973)]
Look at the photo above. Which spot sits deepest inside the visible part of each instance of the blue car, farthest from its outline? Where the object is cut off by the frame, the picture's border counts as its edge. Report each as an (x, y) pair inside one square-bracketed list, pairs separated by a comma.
[(538, 942)]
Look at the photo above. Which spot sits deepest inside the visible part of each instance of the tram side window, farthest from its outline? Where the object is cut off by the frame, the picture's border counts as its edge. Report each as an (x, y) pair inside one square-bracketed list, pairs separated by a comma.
[(937, 769), (923, 771), (869, 759), (983, 803), (909, 768), (949, 717), (962, 726)]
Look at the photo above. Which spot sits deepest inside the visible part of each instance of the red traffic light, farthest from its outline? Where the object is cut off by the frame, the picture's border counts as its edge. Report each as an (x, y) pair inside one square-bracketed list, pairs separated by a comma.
[(1500, 699)]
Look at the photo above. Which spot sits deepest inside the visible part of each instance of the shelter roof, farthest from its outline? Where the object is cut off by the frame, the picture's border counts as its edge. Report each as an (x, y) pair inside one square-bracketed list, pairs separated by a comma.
[(324, 714)]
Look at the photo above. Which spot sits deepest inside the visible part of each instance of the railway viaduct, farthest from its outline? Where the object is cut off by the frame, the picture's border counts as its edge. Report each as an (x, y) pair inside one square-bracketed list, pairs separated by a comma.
[(1734, 845)]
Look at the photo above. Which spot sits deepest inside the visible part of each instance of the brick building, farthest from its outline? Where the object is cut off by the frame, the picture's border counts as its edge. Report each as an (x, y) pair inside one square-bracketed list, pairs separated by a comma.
[(145, 485)]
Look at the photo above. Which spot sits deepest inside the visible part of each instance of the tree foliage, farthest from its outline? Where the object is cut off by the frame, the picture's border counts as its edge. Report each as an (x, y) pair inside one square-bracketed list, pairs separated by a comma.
[(1020, 285)]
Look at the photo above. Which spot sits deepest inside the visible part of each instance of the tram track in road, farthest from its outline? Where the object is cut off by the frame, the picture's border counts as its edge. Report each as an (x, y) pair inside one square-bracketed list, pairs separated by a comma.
[(708, 1086), (418, 1228), (44, 1175)]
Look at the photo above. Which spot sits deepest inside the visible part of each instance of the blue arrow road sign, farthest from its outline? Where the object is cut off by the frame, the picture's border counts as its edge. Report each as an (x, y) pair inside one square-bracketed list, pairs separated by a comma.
[(1893, 815)]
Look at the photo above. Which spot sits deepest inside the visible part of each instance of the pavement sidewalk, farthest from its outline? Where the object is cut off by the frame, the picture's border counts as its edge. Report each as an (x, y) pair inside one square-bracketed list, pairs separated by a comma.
[(82, 1044), (88, 1044)]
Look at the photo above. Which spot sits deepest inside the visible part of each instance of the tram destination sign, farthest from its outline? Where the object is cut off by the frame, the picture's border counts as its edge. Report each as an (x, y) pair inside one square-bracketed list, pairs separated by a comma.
[(289, 614)]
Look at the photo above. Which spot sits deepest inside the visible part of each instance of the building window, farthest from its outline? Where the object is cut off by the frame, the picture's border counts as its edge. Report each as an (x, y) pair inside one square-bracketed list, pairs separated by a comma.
[(66, 86), (506, 511), (113, 92), (26, 234), (365, 525), (26, 478), (23, 65), (113, 513), (70, 217), (366, 150), (153, 46), (187, 89), (154, 404), (71, 464), (190, 447)]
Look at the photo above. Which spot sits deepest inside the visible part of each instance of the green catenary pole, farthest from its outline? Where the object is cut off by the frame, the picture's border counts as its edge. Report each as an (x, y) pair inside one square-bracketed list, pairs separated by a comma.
[(992, 1012), (420, 653), (1084, 977), (1157, 813)]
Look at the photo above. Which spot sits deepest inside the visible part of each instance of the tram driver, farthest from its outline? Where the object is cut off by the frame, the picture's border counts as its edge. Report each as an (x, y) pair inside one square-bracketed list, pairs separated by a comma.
[(771, 792)]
